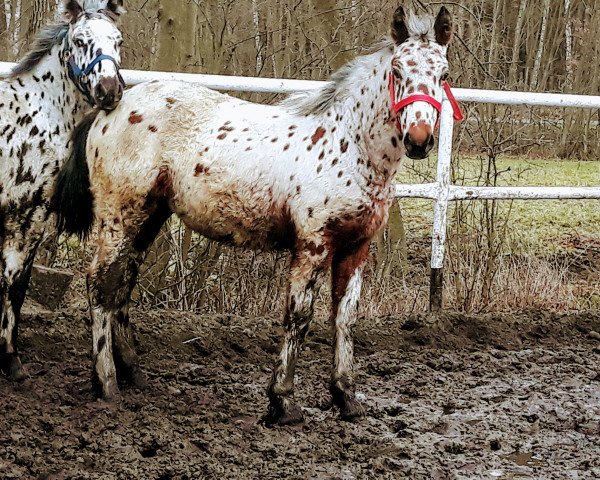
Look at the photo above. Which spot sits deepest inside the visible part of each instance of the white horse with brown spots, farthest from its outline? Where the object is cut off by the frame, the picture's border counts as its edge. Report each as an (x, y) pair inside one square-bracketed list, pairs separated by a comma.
[(312, 175), (73, 66)]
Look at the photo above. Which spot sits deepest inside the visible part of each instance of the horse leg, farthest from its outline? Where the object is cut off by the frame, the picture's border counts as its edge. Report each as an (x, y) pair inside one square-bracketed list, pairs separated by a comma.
[(346, 283), (111, 279), (17, 259), (305, 269), (126, 360)]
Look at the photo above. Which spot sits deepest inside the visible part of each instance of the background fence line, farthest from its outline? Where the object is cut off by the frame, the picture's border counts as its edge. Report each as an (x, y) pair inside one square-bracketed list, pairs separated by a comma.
[(441, 191)]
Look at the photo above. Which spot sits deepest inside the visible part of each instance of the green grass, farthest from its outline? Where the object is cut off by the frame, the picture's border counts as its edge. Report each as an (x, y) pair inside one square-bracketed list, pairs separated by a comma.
[(541, 225)]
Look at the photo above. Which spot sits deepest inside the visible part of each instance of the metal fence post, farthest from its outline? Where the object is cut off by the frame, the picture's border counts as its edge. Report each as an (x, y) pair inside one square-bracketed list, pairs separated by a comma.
[(440, 212)]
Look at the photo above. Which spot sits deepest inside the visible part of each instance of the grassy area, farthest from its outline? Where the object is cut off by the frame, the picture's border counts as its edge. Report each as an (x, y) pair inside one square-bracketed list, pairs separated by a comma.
[(540, 225)]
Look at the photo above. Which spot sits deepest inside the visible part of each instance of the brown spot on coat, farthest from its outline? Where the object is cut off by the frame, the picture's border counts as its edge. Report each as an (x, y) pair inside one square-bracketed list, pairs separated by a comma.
[(318, 135), (135, 117), (200, 169), (314, 249), (153, 128)]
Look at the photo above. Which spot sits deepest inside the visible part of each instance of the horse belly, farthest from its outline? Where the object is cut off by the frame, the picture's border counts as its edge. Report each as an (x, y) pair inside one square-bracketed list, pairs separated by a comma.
[(237, 217)]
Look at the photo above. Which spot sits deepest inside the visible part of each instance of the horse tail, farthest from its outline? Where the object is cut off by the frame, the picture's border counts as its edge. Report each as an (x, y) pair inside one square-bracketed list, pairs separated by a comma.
[(72, 200)]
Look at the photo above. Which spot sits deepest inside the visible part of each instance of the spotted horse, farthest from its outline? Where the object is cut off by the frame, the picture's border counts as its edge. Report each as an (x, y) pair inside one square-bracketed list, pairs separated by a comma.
[(73, 65), (312, 175)]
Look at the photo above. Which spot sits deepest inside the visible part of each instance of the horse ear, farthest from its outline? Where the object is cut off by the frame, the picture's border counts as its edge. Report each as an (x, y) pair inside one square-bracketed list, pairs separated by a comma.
[(73, 9), (443, 27), (399, 28), (116, 6)]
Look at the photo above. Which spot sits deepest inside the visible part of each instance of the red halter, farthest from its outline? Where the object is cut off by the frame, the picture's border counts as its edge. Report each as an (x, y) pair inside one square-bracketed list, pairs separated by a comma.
[(398, 106)]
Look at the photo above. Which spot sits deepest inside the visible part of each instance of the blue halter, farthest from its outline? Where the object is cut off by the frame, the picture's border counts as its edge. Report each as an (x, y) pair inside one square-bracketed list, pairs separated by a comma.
[(76, 74)]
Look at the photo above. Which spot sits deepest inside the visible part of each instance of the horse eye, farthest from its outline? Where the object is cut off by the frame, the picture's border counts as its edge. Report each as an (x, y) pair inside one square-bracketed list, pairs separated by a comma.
[(396, 72), (78, 42), (445, 77)]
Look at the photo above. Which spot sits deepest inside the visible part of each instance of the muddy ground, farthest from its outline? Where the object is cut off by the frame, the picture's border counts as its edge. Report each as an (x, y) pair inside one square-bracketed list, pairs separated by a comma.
[(448, 397)]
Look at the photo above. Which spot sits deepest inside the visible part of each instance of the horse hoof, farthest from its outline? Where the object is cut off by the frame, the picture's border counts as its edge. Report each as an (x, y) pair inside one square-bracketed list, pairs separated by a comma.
[(135, 377), (11, 367), (108, 391), (285, 412), (351, 409), (20, 374), (111, 394), (138, 379)]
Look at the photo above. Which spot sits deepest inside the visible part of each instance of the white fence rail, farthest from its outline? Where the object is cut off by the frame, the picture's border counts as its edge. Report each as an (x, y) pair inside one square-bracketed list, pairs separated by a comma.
[(441, 191)]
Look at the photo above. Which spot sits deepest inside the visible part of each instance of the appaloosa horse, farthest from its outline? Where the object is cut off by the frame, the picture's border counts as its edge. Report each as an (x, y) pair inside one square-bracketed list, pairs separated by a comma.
[(312, 175), (73, 65)]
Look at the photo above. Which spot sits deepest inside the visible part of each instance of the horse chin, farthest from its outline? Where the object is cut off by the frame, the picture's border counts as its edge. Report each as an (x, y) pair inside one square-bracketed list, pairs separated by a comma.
[(107, 94), (418, 155), (107, 106)]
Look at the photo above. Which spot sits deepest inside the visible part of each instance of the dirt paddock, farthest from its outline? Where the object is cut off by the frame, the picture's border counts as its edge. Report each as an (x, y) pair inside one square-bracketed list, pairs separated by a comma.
[(446, 397)]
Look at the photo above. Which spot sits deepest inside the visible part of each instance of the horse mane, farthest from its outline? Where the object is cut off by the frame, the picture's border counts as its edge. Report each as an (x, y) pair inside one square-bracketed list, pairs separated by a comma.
[(318, 101), (421, 26), (45, 40)]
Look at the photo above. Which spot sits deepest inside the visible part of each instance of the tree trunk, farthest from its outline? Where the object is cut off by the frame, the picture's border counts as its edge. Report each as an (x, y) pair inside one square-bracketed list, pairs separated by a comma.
[(540, 50), (492, 57), (328, 21), (176, 37), (4, 33), (392, 250), (512, 76), (568, 47), (257, 37)]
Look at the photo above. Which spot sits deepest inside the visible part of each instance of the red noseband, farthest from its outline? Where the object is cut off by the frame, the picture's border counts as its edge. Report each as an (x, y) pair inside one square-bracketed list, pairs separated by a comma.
[(397, 107)]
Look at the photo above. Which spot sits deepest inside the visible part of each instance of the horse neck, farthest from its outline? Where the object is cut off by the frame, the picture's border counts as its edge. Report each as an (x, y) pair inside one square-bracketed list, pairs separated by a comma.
[(52, 92), (366, 113)]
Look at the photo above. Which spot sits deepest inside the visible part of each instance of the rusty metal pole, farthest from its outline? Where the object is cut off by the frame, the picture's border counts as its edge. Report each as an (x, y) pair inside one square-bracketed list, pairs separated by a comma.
[(440, 212)]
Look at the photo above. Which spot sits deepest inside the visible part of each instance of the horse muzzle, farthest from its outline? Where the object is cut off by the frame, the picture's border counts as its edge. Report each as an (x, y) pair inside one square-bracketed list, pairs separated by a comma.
[(108, 93), (419, 141)]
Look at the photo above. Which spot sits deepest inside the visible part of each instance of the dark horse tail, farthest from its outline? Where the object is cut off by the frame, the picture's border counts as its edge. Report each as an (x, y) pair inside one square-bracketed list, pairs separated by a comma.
[(72, 200)]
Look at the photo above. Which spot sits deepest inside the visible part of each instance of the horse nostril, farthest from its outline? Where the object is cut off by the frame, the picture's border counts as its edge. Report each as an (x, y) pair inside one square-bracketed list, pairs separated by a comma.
[(100, 92)]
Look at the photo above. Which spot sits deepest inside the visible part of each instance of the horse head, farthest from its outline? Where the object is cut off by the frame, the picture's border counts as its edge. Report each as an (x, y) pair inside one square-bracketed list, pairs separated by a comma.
[(92, 52), (420, 71)]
